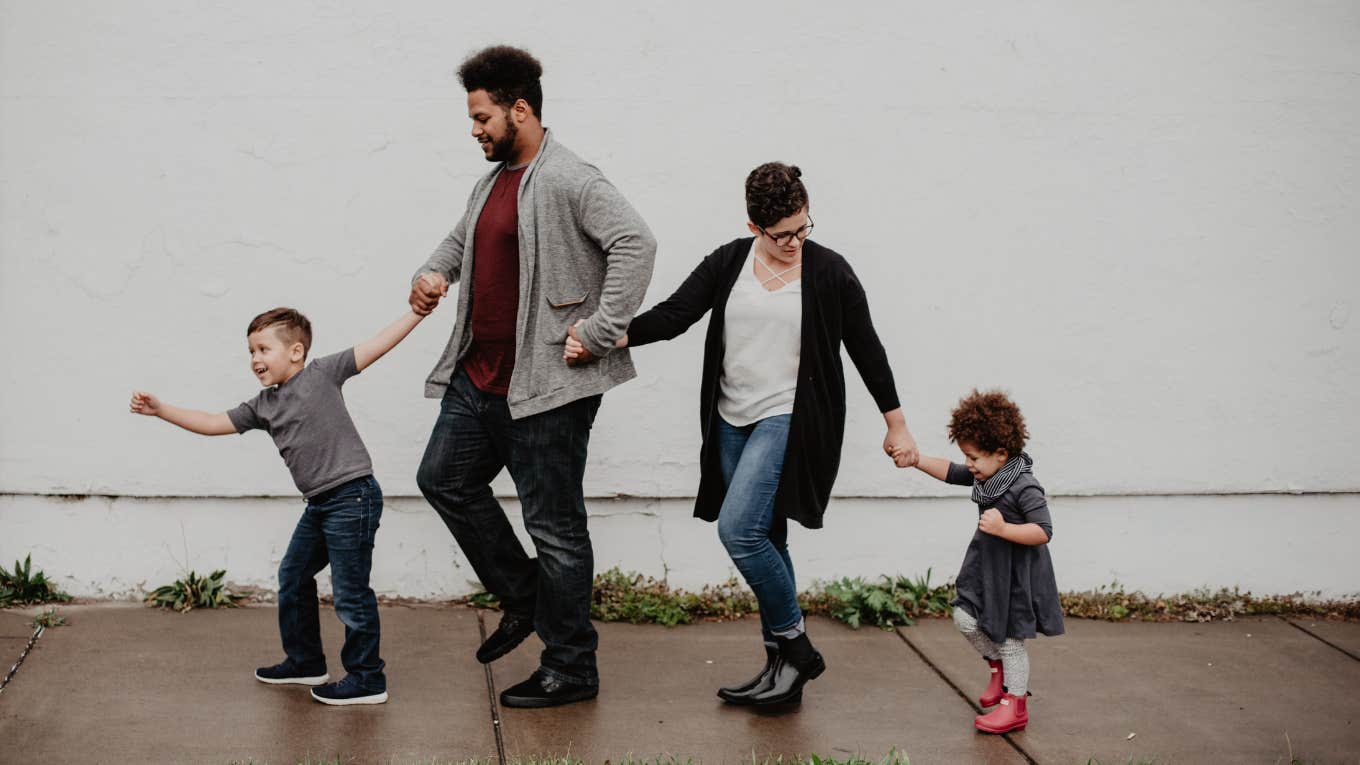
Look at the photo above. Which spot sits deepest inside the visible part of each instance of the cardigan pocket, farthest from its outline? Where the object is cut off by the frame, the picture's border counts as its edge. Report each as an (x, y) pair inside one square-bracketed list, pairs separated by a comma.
[(566, 307), (567, 302)]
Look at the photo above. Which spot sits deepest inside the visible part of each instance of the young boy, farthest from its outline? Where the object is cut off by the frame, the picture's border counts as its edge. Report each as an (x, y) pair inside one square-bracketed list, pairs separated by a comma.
[(303, 410)]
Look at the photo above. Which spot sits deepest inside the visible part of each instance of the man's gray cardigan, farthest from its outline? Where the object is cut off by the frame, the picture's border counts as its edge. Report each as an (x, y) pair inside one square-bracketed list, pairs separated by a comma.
[(584, 253)]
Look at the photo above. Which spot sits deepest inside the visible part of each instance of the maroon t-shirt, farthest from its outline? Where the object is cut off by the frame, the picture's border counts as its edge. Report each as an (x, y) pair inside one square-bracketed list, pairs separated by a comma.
[(495, 287)]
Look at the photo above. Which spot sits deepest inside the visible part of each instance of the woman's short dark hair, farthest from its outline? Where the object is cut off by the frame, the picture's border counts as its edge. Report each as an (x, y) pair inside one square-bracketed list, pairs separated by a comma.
[(507, 74), (774, 191), (989, 421)]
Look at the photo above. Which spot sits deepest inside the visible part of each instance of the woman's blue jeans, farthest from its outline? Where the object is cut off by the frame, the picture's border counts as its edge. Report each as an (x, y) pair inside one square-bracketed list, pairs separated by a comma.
[(756, 539)]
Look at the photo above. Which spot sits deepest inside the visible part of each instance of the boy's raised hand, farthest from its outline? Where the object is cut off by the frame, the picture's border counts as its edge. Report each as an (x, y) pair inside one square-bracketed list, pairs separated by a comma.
[(145, 403)]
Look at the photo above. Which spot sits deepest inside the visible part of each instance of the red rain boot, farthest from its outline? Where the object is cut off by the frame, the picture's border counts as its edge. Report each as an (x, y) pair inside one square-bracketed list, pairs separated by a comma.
[(1009, 716), (996, 687)]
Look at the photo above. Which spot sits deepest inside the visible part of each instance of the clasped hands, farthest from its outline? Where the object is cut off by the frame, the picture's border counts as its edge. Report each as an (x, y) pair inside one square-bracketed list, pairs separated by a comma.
[(426, 292), (575, 353)]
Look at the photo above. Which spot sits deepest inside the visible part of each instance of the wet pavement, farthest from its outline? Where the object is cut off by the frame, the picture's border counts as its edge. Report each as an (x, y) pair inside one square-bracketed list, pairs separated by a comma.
[(125, 684)]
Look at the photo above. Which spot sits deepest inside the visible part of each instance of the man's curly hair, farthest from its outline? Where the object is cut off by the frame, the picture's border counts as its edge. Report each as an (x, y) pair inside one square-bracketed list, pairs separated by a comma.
[(988, 421), (774, 191), (507, 74)]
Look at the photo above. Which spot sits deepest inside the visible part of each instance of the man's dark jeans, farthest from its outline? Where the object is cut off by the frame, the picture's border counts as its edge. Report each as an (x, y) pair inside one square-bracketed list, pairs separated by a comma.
[(473, 439), (337, 528)]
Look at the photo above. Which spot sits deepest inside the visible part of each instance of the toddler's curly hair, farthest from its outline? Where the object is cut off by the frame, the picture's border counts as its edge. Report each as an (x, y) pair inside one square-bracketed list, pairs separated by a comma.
[(989, 421)]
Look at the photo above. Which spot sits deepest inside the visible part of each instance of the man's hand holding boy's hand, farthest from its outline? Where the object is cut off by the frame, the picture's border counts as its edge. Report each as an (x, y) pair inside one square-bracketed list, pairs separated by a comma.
[(426, 292), (991, 522), (145, 403)]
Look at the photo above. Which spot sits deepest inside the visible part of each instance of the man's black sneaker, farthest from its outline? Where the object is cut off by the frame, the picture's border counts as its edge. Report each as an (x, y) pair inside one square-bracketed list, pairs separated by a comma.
[(347, 692), (542, 690), (286, 673), (512, 631)]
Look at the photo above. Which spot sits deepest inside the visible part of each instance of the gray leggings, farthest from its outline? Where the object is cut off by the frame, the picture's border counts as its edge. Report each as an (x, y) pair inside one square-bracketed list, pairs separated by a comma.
[(1014, 658)]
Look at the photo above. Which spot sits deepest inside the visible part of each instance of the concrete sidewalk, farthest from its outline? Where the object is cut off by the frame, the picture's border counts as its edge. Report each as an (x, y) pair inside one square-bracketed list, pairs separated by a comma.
[(127, 684)]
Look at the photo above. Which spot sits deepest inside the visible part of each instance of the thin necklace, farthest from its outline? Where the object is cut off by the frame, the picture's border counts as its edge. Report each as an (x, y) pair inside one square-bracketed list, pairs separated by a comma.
[(773, 275)]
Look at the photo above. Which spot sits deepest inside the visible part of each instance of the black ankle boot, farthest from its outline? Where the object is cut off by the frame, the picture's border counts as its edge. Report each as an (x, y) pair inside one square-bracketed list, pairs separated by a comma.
[(741, 694), (798, 663)]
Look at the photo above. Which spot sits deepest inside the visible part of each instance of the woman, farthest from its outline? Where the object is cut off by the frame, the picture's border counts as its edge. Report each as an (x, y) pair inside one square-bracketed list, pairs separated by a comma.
[(772, 403)]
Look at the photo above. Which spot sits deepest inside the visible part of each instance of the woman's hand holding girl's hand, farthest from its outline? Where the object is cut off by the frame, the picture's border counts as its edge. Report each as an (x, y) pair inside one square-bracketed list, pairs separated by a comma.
[(901, 447), (991, 522)]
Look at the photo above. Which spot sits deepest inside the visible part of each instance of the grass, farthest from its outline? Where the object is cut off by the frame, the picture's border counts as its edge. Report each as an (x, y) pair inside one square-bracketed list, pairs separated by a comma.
[(894, 601), (23, 586), (194, 591), (48, 619), (621, 596), (1112, 603)]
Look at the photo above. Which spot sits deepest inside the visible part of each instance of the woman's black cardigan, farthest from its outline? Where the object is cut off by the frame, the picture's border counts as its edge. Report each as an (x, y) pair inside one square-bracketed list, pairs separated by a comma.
[(834, 310)]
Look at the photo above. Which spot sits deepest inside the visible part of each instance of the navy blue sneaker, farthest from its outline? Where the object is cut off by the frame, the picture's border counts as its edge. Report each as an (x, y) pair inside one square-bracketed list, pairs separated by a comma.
[(287, 673), (347, 692)]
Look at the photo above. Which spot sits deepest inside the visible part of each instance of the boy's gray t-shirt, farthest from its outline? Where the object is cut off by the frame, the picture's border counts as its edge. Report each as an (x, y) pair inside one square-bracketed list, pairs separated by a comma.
[(307, 418)]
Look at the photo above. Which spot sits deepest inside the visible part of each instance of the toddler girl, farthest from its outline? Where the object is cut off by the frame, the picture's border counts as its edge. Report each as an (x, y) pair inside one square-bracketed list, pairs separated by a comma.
[(1006, 589)]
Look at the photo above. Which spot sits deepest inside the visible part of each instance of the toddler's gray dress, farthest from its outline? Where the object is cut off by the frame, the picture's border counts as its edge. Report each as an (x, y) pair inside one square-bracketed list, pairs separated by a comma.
[(1010, 588)]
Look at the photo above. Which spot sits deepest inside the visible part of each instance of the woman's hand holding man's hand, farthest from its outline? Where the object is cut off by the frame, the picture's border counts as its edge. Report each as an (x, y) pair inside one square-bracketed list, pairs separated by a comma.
[(575, 353)]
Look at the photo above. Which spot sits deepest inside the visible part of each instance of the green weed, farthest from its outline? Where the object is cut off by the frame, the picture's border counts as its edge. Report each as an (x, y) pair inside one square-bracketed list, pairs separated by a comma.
[(23, 586), (48, 618), (194, 591)]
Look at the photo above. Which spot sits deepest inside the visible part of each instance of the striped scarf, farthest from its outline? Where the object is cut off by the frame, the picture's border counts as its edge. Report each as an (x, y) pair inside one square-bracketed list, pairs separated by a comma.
[(988, 491)]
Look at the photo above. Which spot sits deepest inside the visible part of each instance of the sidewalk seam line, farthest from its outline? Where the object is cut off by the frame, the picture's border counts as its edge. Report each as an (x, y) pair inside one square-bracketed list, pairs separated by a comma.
[(1004, 736), (491, 696), (1318, 637), (14, 670)]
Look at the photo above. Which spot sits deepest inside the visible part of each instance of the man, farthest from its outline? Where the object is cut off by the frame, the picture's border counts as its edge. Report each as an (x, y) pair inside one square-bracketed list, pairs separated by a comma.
[(546, 248)]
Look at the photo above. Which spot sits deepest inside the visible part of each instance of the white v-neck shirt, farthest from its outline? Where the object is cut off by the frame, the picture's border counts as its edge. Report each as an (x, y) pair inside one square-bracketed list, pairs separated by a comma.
[(762, 338)]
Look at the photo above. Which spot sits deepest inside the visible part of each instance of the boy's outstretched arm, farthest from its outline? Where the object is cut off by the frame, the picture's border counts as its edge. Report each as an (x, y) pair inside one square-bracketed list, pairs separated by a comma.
[(369, 351), (193, 420)]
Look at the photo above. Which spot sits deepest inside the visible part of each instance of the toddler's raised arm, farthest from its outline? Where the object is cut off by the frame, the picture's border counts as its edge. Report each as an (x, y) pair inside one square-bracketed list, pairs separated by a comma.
[(941, 469)]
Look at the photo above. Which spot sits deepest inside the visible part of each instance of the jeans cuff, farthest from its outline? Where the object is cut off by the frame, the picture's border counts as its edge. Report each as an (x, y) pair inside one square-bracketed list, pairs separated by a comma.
[(590, 682)]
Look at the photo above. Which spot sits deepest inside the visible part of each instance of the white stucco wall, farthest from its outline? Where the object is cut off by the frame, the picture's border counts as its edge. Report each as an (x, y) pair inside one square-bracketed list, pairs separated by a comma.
[(1140, 220)]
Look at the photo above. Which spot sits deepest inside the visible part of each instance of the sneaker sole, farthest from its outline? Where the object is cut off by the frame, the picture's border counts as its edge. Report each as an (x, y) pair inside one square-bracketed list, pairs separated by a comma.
[(486, 657), (535, 702), (318, 680), (380, 698)]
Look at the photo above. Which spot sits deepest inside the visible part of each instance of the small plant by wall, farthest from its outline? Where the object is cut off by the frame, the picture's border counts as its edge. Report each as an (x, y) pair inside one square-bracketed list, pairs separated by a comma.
[(23, 586), (891, 601), (194, 591)]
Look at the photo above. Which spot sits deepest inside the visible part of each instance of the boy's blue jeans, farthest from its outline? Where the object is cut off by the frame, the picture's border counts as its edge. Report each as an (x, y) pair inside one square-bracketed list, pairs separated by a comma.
[(752, 460), (336, 528), (473, 439)]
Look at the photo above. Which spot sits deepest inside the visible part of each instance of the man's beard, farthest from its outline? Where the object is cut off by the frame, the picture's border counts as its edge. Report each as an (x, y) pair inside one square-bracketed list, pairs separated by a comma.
[(504, 147)]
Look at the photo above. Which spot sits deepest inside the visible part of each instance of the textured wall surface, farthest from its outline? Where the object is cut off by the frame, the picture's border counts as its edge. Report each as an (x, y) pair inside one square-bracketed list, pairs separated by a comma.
[(1141, 220)]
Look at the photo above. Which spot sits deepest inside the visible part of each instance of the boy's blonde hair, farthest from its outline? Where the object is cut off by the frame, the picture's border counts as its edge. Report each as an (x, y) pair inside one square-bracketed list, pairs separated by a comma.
[(293, 326)]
